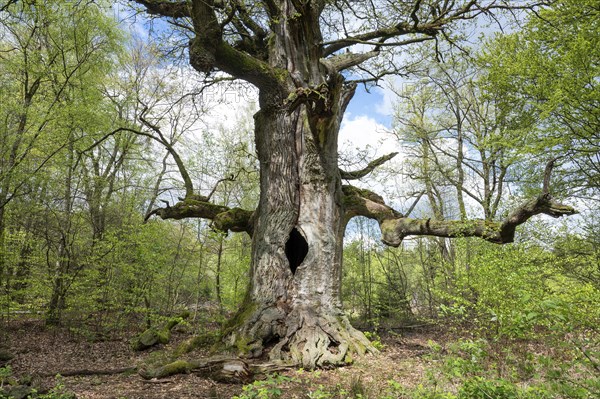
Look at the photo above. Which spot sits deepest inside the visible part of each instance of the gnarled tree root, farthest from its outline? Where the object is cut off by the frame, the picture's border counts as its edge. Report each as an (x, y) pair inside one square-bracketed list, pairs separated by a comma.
[(303, 336)]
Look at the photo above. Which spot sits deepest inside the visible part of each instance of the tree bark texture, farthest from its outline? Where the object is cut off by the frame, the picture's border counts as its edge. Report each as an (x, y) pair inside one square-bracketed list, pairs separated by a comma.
[(293, 307)]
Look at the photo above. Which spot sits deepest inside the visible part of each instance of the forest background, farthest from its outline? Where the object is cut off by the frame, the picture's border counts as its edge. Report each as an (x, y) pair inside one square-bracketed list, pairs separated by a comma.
[(95, 115)]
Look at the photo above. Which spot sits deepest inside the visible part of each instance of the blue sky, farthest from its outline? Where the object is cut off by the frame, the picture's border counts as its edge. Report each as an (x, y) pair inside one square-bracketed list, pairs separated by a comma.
[(370, 103)]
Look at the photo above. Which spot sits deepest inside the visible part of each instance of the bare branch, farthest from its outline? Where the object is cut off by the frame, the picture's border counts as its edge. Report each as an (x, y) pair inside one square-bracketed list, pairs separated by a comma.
[(248, 21), (370, 167), (344, 61), (414, 204), (156, 191), (228, 178), (413, 14), (547, 175), (187, 180), (430, 23), (8, 4), (386, 33), (180, 9), (380, 43)]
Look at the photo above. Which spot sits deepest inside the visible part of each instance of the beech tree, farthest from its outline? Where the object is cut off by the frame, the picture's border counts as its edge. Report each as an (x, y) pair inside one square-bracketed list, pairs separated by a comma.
[(306, 58)]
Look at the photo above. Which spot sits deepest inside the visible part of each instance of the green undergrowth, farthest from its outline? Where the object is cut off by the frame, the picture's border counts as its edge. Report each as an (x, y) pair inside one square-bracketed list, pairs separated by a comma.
[(460, 369), (12, 387), (165, 356), (474, 369)]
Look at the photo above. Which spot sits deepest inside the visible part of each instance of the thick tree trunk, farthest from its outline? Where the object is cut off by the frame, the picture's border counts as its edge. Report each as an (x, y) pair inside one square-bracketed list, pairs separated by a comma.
[(293, 308)]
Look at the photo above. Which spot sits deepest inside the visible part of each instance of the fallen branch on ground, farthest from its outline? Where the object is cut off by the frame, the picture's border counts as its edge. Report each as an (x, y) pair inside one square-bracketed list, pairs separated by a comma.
[(217, 368), (87, 372)]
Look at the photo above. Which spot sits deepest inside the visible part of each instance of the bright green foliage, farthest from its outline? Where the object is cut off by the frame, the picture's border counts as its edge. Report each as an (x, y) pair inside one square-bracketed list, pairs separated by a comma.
[(5, 374), (375, 340), (377, 282), (72, 195), (546, 76), (56, 60), (270, 388), (503, 301)]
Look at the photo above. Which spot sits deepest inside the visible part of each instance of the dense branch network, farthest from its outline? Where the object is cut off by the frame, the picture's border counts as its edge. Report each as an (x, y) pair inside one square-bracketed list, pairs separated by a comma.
[(236, 37)]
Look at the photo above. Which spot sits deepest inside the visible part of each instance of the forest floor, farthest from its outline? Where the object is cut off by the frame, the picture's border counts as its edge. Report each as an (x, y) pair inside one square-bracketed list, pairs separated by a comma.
[(43, 353)]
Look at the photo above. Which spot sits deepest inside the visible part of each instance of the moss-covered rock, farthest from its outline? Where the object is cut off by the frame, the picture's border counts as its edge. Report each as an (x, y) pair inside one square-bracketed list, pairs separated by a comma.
[(154, 336), (150, 338)]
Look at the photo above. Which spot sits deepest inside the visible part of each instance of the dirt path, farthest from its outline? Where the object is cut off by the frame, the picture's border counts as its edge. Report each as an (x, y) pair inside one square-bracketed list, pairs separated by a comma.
[(39, 352)]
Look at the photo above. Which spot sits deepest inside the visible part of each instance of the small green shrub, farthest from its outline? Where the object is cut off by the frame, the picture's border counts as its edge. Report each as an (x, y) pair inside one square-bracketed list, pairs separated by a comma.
[(375, 340), (5, 374), (319, 393), (481, 388), (357, 388), (264, 389), (58, 392)]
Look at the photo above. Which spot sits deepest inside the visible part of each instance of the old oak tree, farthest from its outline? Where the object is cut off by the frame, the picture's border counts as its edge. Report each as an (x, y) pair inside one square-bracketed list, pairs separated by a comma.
[(297, 54)]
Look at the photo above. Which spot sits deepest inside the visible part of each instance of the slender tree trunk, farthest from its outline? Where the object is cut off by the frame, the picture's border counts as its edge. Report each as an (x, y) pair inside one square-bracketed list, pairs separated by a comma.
[(2, 256), (57, 300), (64, 257), (460, 174), (200, 273), (218, 275)]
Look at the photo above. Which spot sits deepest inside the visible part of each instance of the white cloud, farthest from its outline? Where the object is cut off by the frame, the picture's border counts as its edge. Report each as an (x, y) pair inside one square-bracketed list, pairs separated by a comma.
[(227, 104), (363, 132), (388, 97), (386, 105)]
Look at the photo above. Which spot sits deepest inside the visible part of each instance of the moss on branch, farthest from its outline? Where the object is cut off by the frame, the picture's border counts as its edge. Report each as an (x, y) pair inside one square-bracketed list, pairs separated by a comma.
[(195, 206), (178, 9), (395, 227), (363, 202)]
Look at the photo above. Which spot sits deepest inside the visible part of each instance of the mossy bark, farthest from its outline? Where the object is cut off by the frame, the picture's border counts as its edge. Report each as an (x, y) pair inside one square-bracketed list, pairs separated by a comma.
[(218, 369)]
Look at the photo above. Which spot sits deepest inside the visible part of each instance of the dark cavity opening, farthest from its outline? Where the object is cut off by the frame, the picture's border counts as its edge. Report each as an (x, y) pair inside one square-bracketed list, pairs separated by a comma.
[(296, 249), (333, 347)]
